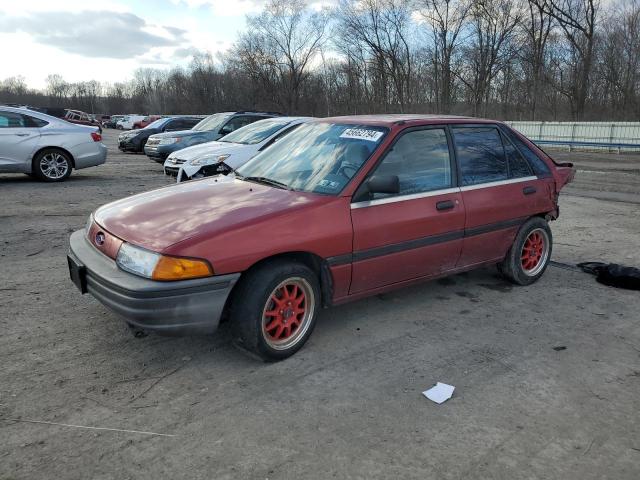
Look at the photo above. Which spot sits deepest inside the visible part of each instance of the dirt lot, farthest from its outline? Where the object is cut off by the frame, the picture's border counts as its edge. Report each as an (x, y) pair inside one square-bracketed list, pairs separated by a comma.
[(547, 377)]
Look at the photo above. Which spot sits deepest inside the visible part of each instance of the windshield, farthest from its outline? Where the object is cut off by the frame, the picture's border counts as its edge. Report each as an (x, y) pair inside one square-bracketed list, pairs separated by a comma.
[(255, 132), (212, 122), (316, 157), (158, 123)]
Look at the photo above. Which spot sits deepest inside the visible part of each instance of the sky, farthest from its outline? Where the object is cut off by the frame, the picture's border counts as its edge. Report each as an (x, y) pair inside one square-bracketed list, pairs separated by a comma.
[(108, 39)]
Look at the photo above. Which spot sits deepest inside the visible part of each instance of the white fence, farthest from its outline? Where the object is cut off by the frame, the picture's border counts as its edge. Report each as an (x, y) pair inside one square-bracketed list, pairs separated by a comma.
[(592, 135)]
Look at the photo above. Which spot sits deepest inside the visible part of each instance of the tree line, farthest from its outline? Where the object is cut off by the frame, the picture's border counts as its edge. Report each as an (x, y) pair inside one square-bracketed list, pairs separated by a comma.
[(517, 60)]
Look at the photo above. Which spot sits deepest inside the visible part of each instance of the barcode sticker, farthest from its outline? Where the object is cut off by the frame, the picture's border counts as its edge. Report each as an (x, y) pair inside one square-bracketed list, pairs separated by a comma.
[(362, 134)]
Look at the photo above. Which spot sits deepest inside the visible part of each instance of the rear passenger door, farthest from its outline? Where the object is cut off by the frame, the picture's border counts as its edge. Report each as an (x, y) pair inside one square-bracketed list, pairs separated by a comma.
[(19, 138), (417, 232), (499, 190)]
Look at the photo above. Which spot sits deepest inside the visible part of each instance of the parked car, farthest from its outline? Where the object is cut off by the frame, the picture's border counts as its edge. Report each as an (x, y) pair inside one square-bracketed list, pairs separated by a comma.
[(127, 122), (339, 209), (82, 118), (72, 116), (212, 128), (135, 140), (146, 121), (113, 121), (46, 147), (231, 151)]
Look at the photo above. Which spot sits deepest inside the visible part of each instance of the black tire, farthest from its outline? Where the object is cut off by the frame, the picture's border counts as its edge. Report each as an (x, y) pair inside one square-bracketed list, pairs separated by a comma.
[(253, 304), (523, 267), (51, 165)]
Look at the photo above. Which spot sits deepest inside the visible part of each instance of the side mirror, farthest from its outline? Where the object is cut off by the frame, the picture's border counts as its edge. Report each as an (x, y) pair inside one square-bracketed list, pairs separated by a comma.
[(383, 184), (226, 130)]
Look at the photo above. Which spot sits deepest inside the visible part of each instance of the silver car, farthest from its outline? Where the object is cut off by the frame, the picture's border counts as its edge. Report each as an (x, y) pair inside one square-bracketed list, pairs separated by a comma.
[(46, 147)]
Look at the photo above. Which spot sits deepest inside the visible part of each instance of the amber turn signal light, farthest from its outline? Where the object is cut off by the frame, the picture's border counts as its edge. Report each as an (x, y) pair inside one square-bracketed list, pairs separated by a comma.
[(175, 268)]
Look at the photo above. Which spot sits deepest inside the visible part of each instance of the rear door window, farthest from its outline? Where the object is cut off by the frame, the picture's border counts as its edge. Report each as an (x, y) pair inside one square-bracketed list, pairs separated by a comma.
[(190, 122), (238, 122), (481, 155), (420, 159), (11, 120)]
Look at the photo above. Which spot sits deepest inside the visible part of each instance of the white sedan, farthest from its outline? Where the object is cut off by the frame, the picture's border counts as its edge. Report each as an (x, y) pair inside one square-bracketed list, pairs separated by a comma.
[(230, 152), (46, 147)]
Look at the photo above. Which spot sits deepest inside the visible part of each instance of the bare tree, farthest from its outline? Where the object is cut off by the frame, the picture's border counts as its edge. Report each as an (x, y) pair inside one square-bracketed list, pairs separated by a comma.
[(577, 18), (280, 46), (379, 28), (620, 61), (537, 25), (446, 20), (493, 24)]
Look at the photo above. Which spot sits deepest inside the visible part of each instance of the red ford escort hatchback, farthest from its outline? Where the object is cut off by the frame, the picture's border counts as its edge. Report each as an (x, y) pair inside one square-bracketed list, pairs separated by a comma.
[(339, 209)]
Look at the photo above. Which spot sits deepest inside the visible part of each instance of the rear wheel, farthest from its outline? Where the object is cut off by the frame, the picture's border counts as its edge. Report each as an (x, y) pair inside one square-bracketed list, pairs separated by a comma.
[(52, 165), (530, 253), (275, 309)]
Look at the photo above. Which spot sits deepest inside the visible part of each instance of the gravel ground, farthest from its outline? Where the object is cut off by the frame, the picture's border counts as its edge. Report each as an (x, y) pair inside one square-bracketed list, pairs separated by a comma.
[(547, 377)]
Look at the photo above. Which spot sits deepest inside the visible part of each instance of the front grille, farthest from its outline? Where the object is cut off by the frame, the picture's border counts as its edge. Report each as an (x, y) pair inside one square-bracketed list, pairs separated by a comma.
[(176, 161), (171, 171)]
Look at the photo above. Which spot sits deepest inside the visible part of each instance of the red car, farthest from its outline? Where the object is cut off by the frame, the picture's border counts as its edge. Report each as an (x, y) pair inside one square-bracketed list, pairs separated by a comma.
[(148, 120), (339, 209), (82, 118)]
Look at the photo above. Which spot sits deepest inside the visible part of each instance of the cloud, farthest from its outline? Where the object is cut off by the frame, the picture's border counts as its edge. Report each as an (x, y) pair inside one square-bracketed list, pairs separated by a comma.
[(104, 34), (226, 8)]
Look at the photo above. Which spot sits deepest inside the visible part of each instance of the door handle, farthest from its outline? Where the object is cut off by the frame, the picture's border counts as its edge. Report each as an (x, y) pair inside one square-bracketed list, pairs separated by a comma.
[(444, 205), (529, 190), (22, 134)]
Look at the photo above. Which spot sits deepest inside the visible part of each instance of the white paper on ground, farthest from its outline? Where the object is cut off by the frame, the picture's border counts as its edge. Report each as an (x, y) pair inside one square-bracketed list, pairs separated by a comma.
[(440, 393)]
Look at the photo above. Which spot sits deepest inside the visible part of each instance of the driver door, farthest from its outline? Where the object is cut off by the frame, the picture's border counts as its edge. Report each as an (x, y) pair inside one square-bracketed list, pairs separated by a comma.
[(417, 232)]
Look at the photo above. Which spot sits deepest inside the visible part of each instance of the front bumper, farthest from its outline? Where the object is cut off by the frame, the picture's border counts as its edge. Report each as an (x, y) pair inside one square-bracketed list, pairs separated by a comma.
[(159, 153), (129, 145), (192, 172), (168, 307)]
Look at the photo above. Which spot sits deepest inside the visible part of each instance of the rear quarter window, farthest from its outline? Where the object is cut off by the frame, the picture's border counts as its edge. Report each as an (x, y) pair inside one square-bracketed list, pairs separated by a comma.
[(538, 165)]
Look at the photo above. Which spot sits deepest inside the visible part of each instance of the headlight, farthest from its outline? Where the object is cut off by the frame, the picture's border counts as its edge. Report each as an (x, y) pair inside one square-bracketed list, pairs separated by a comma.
[(169, 141), (160, 267), (209, 159)]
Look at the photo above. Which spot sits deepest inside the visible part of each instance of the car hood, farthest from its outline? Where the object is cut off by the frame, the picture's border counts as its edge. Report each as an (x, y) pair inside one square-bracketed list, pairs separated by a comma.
[(160, 218), (197, 151), (178, 133), (211, 148)]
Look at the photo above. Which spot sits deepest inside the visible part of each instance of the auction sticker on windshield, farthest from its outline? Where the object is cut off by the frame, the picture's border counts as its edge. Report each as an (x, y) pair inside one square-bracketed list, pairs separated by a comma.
[(362, 134)]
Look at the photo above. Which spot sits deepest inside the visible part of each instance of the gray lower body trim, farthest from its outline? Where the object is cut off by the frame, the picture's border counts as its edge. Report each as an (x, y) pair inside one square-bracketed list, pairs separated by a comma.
[(170, 307), (421, 242)]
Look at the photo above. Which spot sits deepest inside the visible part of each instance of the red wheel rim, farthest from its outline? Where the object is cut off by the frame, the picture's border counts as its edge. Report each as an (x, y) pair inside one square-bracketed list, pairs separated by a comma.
[(534, 252), (287, 312)]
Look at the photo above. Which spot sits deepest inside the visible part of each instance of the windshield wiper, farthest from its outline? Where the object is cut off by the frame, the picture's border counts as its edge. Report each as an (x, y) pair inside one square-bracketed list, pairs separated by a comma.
[(267, 181)]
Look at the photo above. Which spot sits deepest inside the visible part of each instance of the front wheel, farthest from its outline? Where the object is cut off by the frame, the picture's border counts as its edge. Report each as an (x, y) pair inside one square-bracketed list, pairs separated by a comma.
[(51, 165), (530, 253), (275, 309)]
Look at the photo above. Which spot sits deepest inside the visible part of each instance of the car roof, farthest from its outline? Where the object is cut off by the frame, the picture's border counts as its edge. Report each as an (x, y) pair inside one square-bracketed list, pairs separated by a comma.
[(389, 120), (287, 119), (33, 113)]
